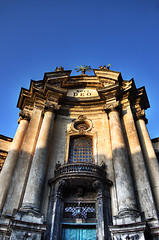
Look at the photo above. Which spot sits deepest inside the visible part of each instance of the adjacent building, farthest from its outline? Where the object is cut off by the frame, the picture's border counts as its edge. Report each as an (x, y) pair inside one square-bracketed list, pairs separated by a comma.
[(81, 165)]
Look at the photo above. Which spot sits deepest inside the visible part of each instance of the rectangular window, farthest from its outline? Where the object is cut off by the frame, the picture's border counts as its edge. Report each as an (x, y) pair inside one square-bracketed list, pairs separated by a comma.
[(80, 149)]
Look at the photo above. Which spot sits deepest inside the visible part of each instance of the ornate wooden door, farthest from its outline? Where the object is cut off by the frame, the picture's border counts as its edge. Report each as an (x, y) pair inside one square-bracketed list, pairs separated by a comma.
[(79, 234)]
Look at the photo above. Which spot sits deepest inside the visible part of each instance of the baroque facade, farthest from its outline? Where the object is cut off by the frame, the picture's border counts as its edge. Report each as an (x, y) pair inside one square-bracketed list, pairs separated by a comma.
[(81, 164)]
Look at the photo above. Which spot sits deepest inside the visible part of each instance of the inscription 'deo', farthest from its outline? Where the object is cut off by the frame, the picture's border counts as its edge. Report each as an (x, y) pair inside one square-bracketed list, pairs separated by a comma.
[(82, 93)]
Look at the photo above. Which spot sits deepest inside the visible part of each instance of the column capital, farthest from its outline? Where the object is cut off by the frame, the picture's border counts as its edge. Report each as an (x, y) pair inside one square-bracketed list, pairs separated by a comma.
[(24, 116), (51, 106), (112, 107), (140, 114)]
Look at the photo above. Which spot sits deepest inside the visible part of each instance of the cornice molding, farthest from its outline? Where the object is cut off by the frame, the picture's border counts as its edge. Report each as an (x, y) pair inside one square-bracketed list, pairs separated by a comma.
[(109, 85), (39, 103)]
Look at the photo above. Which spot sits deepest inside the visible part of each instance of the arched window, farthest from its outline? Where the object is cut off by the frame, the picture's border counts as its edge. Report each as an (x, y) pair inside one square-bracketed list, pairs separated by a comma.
[(80, 149)]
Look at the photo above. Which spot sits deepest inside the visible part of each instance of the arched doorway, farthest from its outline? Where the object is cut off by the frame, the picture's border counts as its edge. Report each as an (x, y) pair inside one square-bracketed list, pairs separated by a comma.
[(80, 202)]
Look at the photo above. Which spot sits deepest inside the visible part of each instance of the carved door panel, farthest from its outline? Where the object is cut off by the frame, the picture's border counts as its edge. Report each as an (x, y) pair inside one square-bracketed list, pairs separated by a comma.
[(79, 234), (70, 234), (87, 234)]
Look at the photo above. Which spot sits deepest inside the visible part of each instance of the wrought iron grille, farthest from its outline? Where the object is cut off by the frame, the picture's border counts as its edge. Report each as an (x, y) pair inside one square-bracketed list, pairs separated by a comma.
[(79, 210), (80, 149)]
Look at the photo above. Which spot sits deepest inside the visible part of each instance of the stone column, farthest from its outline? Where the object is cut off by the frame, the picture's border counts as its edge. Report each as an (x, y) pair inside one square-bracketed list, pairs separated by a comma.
[(110, 168), (138, 165), (149, 154), (11, 160), (20, 177), (56, 212), (124, 186), (33, 194)]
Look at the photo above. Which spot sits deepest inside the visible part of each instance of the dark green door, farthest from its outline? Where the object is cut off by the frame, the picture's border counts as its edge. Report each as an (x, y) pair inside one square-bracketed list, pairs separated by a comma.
[(79, 234)]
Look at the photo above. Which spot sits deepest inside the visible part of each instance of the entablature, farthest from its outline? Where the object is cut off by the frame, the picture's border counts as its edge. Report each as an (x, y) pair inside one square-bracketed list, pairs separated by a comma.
[(105, 87)]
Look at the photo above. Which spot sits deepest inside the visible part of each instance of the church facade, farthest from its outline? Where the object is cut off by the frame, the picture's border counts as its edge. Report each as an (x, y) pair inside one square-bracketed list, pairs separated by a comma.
[(81, 165)]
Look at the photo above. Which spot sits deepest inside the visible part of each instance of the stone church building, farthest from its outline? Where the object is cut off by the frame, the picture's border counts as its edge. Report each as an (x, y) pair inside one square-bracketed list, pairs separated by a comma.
[(81, 165)]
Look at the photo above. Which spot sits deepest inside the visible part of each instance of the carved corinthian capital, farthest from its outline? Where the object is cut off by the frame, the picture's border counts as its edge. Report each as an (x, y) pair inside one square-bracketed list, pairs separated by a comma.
[(140, 114), (51, 106), (23, 116), (112, 107)]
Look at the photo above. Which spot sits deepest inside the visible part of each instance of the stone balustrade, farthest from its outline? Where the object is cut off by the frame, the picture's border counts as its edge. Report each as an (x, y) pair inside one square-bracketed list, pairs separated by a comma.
[(79, 169)]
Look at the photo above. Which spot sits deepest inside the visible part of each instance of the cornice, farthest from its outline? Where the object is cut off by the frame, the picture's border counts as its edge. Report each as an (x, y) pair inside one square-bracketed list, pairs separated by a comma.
[(109, 84), (82, 81), (108, 74), (109, 93), (31, 94), (5, 138), (56, 76)]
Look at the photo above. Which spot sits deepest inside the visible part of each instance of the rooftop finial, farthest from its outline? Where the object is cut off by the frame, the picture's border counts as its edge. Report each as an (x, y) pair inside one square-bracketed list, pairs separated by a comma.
[(83, 69), (104, 67), (59, 69)]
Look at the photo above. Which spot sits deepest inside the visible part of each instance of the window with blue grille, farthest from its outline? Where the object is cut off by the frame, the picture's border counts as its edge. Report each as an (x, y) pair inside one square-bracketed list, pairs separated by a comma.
[(80, 149)]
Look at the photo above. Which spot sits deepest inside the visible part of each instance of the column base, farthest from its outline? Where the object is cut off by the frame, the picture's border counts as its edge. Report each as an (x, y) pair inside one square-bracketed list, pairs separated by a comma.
[(22, 226), (29, 216), (21, 229), (30, 208), (129, 231), (127, 216), (154, 228), (4, 227)]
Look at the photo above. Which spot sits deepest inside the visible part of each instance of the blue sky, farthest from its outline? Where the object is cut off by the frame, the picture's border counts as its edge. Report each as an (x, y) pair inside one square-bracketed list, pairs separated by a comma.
[(36, 36)]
